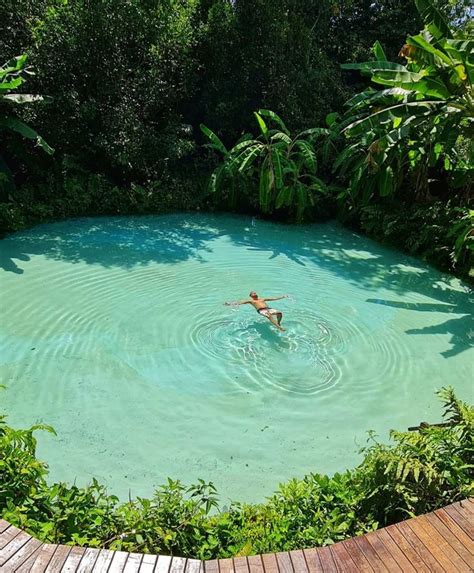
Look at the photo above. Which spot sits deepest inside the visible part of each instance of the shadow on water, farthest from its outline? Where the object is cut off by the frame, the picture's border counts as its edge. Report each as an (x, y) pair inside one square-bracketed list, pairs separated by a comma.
[(7, 256), (461, 331), (461, 328), (110, 242), (130, 241), (369, 265)]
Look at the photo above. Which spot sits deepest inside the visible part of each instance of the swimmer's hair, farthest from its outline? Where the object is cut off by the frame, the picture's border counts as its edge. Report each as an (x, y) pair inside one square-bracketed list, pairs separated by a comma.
[(252, 293)]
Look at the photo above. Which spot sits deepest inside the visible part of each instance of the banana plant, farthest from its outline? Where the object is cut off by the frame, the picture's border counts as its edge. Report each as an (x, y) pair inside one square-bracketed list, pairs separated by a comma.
[(12, 76), (282, 167), (420, 118)]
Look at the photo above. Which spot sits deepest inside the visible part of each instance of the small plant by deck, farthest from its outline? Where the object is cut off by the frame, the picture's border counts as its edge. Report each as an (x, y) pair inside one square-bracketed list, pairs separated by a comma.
[(417, 473)]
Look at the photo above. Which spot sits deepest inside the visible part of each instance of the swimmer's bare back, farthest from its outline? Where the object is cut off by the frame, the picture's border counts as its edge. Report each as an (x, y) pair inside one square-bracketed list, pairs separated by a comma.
[(260, 304)]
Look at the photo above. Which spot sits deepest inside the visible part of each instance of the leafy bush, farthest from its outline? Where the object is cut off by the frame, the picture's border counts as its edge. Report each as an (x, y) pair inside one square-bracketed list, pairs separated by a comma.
[(70, 191), (419, 472), (438, 232)]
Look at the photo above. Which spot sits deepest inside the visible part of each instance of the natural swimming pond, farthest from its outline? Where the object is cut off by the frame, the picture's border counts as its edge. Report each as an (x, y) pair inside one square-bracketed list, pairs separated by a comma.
[(113, 330)]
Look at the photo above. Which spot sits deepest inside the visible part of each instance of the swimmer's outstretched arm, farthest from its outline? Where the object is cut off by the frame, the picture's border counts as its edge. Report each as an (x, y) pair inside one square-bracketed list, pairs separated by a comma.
[(276, 297), (237, 302)]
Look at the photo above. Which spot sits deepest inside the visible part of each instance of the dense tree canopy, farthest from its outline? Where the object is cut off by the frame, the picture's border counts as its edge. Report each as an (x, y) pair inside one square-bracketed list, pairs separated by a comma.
[(129, 79)]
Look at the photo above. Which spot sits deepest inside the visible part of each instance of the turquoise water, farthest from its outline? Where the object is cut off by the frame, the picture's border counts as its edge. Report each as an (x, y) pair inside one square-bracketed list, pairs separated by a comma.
[(113, 330)]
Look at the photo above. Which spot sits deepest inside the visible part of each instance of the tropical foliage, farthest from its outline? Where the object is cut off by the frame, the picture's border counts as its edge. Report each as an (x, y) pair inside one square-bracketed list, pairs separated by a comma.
[(419, 472), (418, 127), (12, 76), (439, 232), (281, 166)]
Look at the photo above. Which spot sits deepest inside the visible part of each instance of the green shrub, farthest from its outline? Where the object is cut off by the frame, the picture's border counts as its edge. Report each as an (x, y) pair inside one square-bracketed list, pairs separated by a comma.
[(419, 472), (73, 192), (427, 230)]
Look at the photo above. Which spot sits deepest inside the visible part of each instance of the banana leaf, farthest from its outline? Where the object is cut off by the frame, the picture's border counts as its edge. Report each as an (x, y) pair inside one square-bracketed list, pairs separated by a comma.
[(215, 140), (403, 111), (14, 65), (419, 82), (433, 19), (26, 131), (386, 181), (280, 136), (372, 67), (8, 85), (276, 118), (25, 98), (387, 96), (261, 124), (277, 168), (379, 51)]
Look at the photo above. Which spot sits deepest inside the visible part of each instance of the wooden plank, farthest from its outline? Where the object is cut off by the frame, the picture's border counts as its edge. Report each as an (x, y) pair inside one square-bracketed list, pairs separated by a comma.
[(148, 563), (357, 556), (15, 544), (73, 560), (298, 561), (444, 553), (312, 560), (21, 557), (88, 560), (369, 553), (178, 565), (103, 561), (43, 557), (163, 565), (384, 554), (117, 564), (430, 562), (255, 563), (404, 563), (28, 563), (7, 536), (211, 566), (461, 519), (3, 525), (284, 562), (241, 565), (465, 505), (58, 559), (433, 550), (133, 563), (226, 566), (194, 566), (341, 557), (326, 559), (269, 563), (405, 546), (459, 533)]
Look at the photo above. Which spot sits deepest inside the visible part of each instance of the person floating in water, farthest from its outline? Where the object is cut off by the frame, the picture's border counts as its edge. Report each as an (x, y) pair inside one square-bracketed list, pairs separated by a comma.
[(260, 304)]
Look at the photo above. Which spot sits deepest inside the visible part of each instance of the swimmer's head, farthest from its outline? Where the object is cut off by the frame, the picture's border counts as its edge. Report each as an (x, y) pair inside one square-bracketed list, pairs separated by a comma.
[(253, 295)]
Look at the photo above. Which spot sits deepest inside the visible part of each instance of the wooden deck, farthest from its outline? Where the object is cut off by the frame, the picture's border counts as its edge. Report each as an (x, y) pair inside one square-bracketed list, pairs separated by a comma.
[(439, 541)]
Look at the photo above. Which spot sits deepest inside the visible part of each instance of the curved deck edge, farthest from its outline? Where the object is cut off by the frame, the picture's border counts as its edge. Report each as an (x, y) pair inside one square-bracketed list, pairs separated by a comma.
[(442, 540)]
